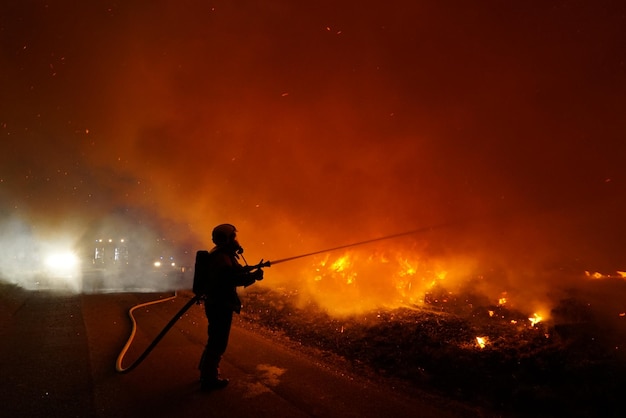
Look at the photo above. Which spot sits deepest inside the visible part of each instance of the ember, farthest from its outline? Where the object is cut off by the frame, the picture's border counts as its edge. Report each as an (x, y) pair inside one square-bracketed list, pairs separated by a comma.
[(597, 275), (482, 341), (535, 319)]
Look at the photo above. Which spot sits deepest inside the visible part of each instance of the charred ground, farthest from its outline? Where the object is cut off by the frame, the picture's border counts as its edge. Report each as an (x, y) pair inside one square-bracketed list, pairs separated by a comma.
[(572, 365)]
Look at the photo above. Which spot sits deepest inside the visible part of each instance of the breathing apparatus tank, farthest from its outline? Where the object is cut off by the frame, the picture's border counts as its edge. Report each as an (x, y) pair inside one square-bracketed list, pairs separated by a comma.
[(201, 267), (222, 235)]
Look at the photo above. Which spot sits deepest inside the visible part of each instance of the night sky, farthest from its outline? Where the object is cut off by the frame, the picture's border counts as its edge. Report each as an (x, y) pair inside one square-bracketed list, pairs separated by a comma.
[(312, 124)]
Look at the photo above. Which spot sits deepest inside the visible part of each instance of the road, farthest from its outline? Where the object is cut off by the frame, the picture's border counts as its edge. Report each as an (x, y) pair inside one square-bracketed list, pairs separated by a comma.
[(59, 352)]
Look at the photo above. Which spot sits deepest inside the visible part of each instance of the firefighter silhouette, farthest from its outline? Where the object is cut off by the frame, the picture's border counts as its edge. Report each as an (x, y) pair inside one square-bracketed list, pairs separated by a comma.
[(216, 278)]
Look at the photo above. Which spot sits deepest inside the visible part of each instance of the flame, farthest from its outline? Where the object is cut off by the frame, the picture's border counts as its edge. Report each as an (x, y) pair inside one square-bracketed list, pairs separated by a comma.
[(535, 319), (354, 281), (597, 275), (482, 341), (342, 266), (407, 268)]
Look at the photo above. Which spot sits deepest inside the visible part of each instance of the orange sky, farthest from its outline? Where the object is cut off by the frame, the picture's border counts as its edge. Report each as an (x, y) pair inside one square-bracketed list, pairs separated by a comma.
[(314, 124)]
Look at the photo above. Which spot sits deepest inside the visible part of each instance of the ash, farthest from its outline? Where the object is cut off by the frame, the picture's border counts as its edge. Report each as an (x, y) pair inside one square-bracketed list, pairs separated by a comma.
[(573, 365)]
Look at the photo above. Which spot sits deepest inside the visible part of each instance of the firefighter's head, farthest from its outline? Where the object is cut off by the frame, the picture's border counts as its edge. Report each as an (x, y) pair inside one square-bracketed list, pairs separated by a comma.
[(224, 234)]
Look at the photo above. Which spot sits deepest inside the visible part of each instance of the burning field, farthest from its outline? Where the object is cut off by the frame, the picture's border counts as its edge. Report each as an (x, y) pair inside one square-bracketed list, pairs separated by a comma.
[(567, 360), (313, 124)]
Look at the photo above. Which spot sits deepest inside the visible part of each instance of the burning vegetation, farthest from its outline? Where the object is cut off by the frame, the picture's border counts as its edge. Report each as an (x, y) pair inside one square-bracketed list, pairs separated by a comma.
[(429, 329), (307, 124)]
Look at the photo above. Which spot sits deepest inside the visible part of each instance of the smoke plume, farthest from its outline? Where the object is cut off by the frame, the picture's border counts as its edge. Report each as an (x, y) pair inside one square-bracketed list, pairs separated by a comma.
[(314, 124)]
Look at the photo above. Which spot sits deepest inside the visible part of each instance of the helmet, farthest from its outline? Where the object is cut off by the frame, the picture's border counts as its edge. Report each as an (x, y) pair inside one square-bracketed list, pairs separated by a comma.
[(223, 234)]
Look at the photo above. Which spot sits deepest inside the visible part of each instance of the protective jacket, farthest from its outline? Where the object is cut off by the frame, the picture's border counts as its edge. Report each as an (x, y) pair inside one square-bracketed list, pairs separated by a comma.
[(218, 278)]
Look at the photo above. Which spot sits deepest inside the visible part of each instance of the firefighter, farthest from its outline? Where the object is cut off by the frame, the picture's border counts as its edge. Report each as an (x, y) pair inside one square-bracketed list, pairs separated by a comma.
[(219, 275)]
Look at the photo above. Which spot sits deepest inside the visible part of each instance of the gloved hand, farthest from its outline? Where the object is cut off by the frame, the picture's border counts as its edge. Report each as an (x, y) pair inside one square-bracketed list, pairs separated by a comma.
[(258, 274)]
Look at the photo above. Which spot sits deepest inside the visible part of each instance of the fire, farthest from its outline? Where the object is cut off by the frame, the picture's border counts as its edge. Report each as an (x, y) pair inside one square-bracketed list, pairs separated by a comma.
[(597, 275), (407, 268), (535, 319), (482, 341), (357, 281), (342, 266), (354, 281)]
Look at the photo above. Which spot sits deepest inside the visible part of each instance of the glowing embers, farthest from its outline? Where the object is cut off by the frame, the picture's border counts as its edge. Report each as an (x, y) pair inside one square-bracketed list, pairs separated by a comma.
[(481, 342), (535, 319), (597, 275)]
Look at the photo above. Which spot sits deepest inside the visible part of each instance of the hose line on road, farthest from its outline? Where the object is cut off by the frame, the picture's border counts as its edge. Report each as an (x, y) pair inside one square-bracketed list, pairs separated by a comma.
[(120, 358)]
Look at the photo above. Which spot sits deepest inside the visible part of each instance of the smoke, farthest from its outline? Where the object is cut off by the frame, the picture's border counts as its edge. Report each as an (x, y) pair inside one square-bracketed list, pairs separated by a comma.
[(111, 255), (315, 125)]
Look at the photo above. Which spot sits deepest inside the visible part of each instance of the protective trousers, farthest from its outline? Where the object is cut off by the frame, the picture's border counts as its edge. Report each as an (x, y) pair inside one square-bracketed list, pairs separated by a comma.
[(220, 319)]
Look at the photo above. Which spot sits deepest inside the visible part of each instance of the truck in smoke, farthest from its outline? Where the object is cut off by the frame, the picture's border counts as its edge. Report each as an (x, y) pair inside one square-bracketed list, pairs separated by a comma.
[(123, 264)]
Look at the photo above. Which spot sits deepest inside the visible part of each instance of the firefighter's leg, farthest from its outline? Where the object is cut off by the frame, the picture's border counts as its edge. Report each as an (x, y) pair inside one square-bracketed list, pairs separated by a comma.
[(220, 321)]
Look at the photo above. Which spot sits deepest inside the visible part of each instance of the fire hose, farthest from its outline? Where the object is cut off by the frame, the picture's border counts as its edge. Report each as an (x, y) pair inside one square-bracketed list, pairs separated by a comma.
[(120, 358), (196, 299)]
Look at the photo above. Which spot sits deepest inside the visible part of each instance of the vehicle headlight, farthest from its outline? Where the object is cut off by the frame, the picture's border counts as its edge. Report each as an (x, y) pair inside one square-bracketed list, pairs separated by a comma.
[(61, 261)]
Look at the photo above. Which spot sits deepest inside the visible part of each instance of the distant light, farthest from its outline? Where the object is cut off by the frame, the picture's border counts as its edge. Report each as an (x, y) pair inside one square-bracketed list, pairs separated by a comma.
[(157, 264), (61, 261)]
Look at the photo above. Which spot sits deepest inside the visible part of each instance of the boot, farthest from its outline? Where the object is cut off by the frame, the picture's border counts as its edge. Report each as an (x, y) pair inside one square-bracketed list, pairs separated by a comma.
[(209, 373), (207, 385)]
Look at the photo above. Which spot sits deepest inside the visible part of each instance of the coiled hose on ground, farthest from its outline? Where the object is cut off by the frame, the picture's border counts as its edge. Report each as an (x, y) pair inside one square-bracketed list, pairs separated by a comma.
[(120, 357)]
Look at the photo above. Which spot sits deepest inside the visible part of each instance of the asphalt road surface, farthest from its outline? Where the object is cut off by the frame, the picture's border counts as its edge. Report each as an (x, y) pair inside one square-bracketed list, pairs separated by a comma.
[(58, 355)]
